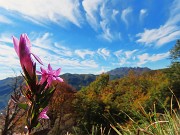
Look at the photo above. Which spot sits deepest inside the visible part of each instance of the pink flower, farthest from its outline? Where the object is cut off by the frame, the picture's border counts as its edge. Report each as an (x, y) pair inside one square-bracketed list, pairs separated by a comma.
[(50, 75), (23, 50), (43, 114)]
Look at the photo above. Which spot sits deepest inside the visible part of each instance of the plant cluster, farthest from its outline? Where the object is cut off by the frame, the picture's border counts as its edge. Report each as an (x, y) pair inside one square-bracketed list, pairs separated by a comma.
[(37, 93)]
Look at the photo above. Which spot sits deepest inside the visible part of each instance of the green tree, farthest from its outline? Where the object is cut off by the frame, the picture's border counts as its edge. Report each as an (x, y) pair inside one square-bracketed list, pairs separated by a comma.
[(88, 105), (174, 71), (175, 52)]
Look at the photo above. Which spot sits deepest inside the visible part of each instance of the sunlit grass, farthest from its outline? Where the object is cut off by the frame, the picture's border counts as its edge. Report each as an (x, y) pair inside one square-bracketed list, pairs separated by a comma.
[(153, 123)]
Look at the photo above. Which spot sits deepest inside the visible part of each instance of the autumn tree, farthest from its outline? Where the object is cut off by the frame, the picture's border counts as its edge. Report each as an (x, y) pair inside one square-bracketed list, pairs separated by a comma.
[(174, 71), (89, 107), (61, 109)]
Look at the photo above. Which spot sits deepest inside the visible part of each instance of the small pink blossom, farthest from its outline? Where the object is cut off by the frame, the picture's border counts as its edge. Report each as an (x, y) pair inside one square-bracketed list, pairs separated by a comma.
[(50, 75), (23, 50), (43, 114)]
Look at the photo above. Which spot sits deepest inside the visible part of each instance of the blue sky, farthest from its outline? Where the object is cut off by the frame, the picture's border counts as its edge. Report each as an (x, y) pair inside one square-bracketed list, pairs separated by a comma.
[(90, 36)]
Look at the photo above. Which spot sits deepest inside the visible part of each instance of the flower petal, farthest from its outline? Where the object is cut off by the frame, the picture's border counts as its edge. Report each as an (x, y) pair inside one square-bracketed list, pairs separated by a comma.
[(37, 58), (57, 72), (16, 44), (28, 43), (43, 114), (49, 67), (50, 79), (44, 71), (59, 79), (43, 79), (38, 72), (53, 78), (45, 109)]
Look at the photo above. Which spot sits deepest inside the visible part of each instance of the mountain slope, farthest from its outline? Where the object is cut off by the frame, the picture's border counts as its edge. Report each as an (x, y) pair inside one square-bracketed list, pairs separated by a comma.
[(75, 80), (123, 71)]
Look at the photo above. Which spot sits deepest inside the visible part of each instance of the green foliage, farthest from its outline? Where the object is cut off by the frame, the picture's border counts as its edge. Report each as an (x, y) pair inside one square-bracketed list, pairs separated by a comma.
[(23, 106), (152, 123), (175, 52), (104, 102), (174, 70), (78, 80), (89, 107)]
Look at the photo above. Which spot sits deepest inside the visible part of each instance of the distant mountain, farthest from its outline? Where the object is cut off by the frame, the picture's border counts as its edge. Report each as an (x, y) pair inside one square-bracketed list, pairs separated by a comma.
[(75, 80), (123, 71), (6, 87), (78, 80)]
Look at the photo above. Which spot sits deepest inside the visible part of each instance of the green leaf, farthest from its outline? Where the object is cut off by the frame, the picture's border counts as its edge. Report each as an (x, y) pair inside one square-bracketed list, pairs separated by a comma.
[(27, 76), (23, 106), (38, 125), (42, 87)]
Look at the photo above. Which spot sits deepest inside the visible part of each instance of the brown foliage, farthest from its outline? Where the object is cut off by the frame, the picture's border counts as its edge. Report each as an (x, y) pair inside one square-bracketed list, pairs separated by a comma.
[(61, 109)]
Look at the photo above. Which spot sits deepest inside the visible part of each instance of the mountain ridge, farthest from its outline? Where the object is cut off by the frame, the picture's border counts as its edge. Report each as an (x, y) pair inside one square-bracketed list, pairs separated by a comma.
[(75, 80)]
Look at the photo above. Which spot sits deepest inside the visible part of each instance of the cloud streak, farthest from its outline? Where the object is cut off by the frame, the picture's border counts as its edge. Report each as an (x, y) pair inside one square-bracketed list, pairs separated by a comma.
[(103, 52), (5, 20), (166, 33), (83, 53), (142, 14), (144, 58), (91, 8), (125, 13), (56, 11), (125, 57)]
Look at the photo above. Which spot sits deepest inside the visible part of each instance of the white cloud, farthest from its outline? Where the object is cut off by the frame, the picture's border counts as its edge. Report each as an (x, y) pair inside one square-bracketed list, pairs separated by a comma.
[(71, 63), (91, 8), (126, 54), (6, 38), (143, 13), (168, 38), (43, 41), (100, 17), (129, 54), (105, 24), (114, 14), (125, 14), (47, 10), (4, 19), (144, 58), (159, 36), (174, 13), (46, 43), (165, 33), (103, 52), (62, 50), (8, 61), (6, 50), (106, 33), (124, 57), (83, 53), (118, 53), (89, 64)]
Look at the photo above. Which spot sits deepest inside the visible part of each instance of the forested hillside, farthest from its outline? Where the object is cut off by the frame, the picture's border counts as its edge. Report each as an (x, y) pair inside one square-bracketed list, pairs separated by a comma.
[(77, 81)]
